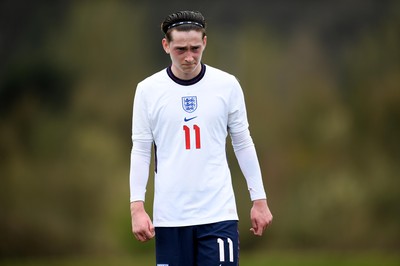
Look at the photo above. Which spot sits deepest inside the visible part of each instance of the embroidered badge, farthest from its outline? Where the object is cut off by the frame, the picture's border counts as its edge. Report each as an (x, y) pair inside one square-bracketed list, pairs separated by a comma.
[(189, 103)]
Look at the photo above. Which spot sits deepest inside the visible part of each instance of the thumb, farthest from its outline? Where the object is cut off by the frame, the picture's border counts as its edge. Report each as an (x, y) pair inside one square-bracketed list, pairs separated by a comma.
[(151, 229), (254, 227)]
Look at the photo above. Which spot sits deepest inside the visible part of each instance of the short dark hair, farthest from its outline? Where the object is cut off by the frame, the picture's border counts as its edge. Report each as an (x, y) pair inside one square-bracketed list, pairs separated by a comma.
[(183, 21)]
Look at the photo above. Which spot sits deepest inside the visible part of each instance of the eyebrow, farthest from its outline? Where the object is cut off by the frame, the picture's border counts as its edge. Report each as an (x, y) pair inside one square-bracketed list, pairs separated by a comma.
[(185, 47)]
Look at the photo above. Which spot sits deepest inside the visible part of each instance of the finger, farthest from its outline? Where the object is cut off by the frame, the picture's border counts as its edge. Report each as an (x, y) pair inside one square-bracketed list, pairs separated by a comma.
[(142, 236), (146, 235), (254, 225), (256, 229), (256, 232), (149, 235), (268, 224), (259, 231), (151, 232)]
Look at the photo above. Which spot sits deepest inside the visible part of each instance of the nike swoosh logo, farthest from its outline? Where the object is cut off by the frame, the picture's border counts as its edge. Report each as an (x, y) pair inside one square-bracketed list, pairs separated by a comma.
[(188, 119)]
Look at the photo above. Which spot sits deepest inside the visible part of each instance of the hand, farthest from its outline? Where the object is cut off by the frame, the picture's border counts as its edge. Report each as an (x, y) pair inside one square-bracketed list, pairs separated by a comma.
[(142, 227), (261, 217)]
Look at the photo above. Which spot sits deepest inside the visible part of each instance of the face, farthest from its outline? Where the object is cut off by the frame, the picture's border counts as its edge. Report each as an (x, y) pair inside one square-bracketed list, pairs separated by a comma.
[(185, 49)]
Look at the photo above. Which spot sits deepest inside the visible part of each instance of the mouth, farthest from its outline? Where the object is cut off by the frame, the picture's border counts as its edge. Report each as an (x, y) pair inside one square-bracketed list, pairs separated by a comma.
[(192, 65)]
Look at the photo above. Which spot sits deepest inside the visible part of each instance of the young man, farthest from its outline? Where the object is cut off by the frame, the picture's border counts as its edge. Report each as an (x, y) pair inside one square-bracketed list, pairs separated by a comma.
[(186, 111)]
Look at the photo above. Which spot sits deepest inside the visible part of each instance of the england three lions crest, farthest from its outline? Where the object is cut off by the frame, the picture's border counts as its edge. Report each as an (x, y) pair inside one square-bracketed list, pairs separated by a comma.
[(189, 103)]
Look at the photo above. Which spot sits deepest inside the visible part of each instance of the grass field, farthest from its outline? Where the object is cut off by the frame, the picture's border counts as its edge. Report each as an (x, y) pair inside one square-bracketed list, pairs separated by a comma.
[(247, 259)]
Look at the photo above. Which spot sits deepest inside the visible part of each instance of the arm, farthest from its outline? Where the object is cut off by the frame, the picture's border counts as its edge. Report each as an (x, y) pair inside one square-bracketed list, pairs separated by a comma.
[(246, 155), (142, 227)]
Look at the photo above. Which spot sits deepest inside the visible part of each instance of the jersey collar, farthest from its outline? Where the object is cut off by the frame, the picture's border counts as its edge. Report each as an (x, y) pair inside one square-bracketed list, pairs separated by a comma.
[(189, 81)]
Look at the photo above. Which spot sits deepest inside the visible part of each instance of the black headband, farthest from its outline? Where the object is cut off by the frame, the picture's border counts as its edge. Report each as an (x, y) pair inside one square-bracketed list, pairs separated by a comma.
[(185, 23)]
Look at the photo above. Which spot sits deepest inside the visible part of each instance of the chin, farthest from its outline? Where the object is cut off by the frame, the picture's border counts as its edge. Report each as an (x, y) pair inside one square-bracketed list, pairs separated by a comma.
[(190, 68)]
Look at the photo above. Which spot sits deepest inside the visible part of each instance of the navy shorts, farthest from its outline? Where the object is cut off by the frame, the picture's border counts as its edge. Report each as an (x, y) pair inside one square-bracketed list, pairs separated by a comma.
[(199, 245)]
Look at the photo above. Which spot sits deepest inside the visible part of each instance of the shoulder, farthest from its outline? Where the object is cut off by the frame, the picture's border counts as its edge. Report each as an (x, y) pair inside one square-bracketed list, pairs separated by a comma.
[(149, 86), (216, 72), (222, 78), (157, 77), (152, 84)]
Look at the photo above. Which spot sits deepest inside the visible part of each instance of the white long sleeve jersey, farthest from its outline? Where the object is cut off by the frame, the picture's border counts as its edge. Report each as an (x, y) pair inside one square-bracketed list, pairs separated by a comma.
[(188, 122)]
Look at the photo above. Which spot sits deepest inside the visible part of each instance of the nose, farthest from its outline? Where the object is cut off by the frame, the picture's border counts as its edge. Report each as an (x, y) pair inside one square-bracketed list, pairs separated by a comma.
[(189, 58)]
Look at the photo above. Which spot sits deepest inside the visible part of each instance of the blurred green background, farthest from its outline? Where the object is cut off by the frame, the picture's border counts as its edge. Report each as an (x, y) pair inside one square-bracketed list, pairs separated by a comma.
[(322, 86)]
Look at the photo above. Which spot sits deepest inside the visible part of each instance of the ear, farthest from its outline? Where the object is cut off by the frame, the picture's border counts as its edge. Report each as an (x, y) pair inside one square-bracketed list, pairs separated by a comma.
[(165, 45), (205, 41)]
